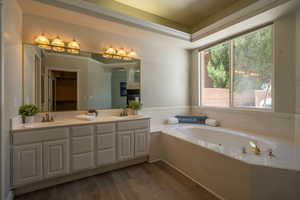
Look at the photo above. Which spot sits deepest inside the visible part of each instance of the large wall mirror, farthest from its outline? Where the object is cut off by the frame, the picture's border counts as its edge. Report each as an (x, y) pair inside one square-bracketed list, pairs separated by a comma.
[(62, 81)]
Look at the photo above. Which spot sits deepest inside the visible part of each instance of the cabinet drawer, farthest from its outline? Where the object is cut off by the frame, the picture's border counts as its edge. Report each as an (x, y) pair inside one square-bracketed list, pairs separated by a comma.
[(82, 144), (105, 128), (40, 135), (105, 157), (82, 131), (105, 141), (82, 161), (136, 124)]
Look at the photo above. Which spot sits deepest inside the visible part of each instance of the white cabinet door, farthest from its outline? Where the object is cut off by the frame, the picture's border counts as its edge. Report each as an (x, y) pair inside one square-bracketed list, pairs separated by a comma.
[(56, 158), (141, 142), (125, 145), (27, 163)]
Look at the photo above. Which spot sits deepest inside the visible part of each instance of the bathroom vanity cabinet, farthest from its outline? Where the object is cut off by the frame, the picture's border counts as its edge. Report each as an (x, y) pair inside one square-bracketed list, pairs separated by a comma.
[(46, 153)]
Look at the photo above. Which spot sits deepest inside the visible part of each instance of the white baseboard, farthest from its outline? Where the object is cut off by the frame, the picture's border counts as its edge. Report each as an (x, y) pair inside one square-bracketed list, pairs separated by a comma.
[(191, 178), (10, 196), (154, 160)]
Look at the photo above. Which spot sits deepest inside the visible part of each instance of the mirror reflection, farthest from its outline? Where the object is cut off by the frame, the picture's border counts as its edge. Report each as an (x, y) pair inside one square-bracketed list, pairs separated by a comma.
[(61, 81)]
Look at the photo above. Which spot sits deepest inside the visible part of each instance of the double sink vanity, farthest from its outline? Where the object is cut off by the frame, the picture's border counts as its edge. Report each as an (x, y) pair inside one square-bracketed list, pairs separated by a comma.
[(48, 153), (54, 152)]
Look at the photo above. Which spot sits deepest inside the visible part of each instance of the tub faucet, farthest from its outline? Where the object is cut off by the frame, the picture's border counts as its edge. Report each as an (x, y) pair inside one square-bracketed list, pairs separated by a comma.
[(254, 147)]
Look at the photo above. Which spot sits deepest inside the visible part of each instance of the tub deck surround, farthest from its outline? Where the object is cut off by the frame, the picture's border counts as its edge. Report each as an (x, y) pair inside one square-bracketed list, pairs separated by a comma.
[(223, 170), (74, 122), (230, 143)]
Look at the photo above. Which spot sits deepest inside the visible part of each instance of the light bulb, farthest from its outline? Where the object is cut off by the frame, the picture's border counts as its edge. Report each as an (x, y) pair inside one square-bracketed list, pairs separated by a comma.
[(58, 44)]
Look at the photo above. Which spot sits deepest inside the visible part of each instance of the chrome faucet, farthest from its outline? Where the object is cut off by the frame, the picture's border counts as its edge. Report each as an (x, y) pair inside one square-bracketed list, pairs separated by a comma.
[(47, 118), (254, 148)]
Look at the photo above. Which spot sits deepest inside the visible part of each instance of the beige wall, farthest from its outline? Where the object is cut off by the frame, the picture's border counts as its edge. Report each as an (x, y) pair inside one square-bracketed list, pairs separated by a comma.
[(298, 62), (29, 75), (297, 106), (284, 30), (12, 79), (165, 66)]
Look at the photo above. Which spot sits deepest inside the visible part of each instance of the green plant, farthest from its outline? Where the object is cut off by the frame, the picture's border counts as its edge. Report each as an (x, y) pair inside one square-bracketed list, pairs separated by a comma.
[(28, 110), (135, 105)]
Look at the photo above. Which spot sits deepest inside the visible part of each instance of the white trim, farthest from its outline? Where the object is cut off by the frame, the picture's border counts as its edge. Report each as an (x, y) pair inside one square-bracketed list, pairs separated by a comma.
[(10, 196), (108, 14), (166, 108), (273, 69), (72, 56), (231, 76), (245, 111), (192, 179), (2, 156), (154, 160)]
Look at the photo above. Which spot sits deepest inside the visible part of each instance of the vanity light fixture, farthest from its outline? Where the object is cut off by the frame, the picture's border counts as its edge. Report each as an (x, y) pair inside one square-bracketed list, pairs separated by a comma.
[(42, 41), (119, 53), (58, 44)]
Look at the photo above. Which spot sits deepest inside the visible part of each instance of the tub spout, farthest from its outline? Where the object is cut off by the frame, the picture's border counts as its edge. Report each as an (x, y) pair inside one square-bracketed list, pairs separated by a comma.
[(254, 148)]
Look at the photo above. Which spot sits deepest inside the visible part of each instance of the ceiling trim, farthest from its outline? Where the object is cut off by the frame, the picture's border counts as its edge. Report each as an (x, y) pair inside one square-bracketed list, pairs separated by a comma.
[(244, 14), (111, 15), (237, 17)]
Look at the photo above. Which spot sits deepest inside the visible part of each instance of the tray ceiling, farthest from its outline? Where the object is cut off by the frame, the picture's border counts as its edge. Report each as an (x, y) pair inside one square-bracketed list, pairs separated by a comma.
[(184, 15)]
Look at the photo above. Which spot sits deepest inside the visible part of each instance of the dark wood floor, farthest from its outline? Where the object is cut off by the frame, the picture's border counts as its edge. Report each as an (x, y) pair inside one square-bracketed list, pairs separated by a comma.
[(141, 182)]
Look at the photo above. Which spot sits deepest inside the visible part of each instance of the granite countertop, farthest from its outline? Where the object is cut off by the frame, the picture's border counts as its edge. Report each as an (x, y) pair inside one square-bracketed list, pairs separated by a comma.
[(74, 122)]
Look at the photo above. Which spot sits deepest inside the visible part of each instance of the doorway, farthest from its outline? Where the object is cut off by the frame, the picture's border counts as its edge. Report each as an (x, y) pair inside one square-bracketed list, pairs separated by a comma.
[(63, 92)]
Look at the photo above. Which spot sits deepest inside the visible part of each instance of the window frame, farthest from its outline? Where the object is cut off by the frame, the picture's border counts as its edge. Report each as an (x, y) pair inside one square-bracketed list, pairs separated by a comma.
[(231, 77)]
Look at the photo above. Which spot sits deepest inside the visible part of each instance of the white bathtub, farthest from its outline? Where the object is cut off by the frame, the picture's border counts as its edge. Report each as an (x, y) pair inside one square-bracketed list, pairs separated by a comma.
[(213, 157)]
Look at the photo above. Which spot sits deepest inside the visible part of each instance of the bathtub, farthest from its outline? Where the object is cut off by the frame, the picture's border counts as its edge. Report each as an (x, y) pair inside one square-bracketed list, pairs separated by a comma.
[(213, 157)]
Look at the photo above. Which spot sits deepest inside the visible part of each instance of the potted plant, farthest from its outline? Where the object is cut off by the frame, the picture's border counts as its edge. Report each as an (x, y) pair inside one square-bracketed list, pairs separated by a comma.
[(27, 112), (135, 106)]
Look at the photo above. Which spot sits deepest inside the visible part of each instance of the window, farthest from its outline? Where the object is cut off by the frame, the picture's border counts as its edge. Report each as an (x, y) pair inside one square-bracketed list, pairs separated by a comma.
[(238, 72)]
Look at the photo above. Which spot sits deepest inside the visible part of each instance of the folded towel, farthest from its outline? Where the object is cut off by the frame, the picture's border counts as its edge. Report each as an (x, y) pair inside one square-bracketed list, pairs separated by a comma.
[(211, 122), (172, 120)]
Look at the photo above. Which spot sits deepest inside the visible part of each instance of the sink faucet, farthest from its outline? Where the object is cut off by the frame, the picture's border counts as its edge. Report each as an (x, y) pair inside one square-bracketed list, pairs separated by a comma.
[(124, 113), (47, 118), (254, 148)]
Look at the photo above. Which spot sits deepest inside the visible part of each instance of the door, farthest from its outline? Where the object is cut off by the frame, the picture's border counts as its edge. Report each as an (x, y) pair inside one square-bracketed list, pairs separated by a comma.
[(125, 145), (27, 163), (141, 142), (56, 158)]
